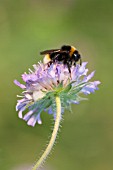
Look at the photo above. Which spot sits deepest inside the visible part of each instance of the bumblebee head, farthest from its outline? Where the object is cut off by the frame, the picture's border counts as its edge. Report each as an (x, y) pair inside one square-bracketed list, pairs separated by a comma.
[(76, 56)]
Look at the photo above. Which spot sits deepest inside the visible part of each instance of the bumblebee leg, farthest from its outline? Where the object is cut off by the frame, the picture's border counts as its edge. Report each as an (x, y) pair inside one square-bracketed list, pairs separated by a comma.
[(69, 69), (80, 61), (69, 66), (74, 64), (49, 64)]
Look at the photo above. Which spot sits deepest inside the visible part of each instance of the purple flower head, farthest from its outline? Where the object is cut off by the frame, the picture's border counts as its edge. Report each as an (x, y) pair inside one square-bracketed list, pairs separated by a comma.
[(44, 83)]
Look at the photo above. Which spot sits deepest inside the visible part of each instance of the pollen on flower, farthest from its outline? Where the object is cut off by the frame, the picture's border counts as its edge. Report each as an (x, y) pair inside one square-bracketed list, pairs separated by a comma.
[(37, 95), (41, 86)]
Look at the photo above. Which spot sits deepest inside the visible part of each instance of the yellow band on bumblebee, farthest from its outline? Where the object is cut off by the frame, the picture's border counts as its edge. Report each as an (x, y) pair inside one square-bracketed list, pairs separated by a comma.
[(72, 50), (46, 59)]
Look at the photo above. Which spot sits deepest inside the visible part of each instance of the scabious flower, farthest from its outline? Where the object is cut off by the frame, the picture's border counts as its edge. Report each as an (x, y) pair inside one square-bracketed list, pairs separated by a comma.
[(52, 89), (45, 82)]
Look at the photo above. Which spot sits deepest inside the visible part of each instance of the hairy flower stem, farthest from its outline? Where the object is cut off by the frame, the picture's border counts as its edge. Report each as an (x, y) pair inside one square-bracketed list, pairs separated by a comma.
[(53, 137)]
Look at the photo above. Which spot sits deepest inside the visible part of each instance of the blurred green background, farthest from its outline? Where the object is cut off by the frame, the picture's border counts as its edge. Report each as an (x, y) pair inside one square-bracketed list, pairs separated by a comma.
[(30, 26)]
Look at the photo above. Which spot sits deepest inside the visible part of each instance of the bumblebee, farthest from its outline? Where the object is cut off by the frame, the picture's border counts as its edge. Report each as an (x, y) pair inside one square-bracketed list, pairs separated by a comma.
[(67, 55)]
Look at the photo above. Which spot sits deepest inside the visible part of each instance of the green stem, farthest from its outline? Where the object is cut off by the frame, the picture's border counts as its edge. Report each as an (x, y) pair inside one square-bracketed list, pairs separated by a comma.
[(53, 137)]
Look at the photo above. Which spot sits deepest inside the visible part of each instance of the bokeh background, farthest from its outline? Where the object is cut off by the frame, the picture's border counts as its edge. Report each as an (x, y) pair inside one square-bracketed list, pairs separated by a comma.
[(30, 26)]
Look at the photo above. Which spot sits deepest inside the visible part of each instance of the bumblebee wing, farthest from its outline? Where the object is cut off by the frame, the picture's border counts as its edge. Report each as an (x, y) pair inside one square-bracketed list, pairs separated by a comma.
[(49, 51)]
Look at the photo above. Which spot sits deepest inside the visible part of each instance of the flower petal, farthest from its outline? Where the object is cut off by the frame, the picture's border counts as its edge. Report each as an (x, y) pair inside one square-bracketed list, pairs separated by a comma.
[(19, 84), (38, 118), (32, 121), (87, 78), (28, 115)]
